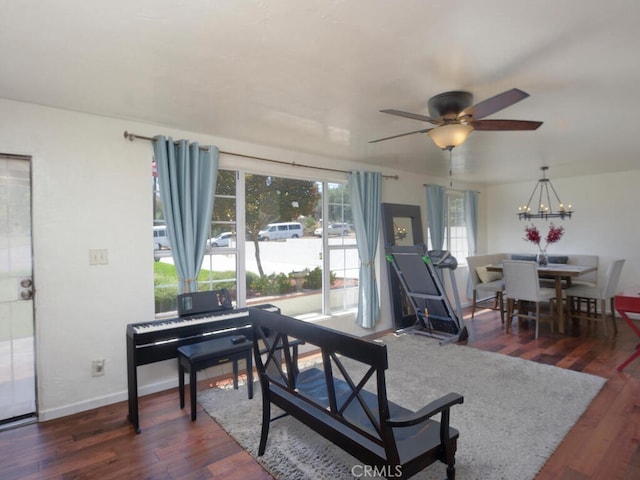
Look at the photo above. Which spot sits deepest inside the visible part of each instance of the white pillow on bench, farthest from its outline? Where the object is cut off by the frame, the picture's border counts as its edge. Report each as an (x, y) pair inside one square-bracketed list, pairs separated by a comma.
[(486, 276)]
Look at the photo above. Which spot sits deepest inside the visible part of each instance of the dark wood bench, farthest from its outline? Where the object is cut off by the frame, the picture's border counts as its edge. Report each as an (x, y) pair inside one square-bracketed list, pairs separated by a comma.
[(198, 356), (353, 413)]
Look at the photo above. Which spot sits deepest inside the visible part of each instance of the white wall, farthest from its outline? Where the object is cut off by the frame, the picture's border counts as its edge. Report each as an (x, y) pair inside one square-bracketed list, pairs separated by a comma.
[(89, 191), (604, 224), (92, 190)]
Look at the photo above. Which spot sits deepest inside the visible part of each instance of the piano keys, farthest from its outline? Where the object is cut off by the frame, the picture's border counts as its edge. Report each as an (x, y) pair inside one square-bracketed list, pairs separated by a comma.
[(155, 341)]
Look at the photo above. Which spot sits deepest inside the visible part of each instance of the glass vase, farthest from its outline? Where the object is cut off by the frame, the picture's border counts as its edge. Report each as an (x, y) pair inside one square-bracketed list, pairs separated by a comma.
[(541, 258)]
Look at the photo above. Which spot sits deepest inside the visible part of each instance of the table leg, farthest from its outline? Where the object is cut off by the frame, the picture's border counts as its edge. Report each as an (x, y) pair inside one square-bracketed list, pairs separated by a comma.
[(559, 305)]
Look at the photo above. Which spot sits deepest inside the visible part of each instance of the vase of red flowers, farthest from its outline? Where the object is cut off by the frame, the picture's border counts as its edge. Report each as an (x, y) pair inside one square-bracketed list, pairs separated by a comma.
[(532, 234), (541, 258)]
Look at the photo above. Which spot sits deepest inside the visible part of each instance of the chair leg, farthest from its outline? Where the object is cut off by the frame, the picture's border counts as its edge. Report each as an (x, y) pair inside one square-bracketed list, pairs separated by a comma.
[(266, 421), (235, 374), (500, 298), (571, 312), (613, 316), (603, 313), (181, 384), (473, 303), (249, 364), (193, 383), (509, 314), (537, 319)]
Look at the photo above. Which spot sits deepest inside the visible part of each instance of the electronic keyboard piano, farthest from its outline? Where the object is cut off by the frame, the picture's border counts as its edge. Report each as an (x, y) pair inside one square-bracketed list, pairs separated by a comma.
[(155, 341)]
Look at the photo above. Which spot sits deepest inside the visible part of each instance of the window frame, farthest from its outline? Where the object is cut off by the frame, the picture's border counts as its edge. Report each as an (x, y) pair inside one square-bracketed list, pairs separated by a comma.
[(239, 247), (459, 254)]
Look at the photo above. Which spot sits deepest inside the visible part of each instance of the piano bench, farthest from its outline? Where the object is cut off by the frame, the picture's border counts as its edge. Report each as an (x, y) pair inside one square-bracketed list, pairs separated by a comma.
[(197, 356)]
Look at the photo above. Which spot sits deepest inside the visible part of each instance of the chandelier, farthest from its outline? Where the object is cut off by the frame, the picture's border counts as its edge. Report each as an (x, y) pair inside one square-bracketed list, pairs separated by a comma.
[(544, 206)]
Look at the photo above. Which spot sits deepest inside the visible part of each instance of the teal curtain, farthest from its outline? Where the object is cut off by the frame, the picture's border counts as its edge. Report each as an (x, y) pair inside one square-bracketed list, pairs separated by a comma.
[(365, 190), (470, 203), (436, 214), (187, 175)]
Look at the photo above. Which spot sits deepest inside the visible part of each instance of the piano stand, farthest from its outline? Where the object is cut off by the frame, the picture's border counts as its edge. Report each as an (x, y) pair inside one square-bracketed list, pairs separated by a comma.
[(195, 357)]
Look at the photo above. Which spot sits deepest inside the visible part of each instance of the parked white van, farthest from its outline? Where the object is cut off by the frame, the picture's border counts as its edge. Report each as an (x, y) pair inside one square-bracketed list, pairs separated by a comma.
[(160, 239), (279, 231)]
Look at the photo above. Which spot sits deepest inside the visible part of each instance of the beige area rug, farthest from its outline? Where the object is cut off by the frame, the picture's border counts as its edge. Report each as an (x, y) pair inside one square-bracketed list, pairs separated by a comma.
[(515, 413)]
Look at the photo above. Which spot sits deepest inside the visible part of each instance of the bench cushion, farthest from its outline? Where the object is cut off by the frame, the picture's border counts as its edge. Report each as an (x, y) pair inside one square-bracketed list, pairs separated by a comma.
[(564, 259), (525, 257), (199, 352)]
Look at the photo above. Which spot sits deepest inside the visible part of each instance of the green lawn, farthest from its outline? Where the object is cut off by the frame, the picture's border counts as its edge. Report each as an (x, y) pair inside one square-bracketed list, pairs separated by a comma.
[(166, 283)]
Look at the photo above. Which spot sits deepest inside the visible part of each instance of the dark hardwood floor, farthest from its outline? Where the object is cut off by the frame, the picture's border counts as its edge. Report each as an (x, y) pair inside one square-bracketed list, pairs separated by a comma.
[(101, 444)]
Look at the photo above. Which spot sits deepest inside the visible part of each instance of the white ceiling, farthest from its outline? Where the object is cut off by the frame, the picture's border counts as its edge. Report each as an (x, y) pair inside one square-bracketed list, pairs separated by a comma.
[(312, 75)]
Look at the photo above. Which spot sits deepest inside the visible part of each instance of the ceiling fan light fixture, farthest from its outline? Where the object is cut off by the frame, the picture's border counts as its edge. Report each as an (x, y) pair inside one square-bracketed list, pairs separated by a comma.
[(448, 136)]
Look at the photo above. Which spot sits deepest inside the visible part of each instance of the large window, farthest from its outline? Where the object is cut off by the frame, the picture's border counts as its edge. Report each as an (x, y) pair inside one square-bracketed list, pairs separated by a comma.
[(220, 264), (270, 243), (455, 239), (343, 262), (456, 231)]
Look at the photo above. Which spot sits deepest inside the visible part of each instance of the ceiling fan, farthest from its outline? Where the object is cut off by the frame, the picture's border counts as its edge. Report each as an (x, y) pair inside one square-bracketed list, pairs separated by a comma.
[(456, 117)]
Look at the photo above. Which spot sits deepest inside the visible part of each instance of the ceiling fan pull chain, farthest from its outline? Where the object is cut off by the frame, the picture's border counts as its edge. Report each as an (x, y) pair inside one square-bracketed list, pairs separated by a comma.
[(450, 170)]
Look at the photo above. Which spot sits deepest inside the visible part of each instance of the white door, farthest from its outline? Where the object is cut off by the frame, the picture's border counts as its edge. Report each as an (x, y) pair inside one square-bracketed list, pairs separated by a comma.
[(17, 361)]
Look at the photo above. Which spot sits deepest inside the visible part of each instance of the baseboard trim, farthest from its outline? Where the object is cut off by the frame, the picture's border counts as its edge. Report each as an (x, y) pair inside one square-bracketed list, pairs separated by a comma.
[(97, 402)]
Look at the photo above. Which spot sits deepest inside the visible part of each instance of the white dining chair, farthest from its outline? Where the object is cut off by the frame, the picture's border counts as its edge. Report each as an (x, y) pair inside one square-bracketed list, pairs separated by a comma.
[(600, 293), (490, 285), (522, 285)]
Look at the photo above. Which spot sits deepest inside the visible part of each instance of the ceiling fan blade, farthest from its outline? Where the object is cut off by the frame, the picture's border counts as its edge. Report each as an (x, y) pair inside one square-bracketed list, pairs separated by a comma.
[(414, 116), (494, 104), (424, 130), (497, 125)]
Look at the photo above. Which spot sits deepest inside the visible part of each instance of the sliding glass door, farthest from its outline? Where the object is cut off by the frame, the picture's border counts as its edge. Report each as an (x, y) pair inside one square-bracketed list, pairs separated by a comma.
[(17, 365)]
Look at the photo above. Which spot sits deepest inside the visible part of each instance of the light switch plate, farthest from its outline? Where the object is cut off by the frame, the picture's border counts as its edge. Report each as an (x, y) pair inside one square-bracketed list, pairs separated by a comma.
[(99, 257)]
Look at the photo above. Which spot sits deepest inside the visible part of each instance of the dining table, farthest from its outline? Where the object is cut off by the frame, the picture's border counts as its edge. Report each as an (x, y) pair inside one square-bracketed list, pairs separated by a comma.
[(558, 272)]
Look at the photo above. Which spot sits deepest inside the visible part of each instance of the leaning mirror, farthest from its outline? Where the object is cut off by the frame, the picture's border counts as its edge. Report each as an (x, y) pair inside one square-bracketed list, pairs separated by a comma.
[(403, 230)]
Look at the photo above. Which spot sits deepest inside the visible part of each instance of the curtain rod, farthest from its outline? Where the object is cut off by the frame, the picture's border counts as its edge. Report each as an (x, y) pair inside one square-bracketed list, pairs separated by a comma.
[(450, 188), (133, 136)]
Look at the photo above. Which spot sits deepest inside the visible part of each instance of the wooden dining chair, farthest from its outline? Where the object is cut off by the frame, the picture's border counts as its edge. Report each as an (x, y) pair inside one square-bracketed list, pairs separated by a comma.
[(522, 285)]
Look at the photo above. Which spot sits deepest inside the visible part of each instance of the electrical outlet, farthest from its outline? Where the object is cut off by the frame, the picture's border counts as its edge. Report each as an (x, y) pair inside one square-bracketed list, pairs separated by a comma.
[(97, 367)]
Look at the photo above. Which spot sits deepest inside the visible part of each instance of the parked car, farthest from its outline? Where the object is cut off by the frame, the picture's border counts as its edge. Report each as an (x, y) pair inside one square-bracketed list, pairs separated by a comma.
[(160, 238), (222, 240), (278, 231), (334, 229)]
